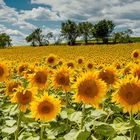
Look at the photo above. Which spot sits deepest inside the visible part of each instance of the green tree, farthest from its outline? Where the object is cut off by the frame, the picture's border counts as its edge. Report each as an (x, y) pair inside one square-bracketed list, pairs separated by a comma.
[(70, 31), (85, 29), (37, 38), (5, 40), (103, 29)]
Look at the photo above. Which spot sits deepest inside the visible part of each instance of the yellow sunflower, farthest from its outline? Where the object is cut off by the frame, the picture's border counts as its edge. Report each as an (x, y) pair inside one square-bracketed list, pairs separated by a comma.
[(128, 94), (51, 60), (22, 68), (39, 78), (11, 87), (71, 64), (135, 70), (61, 78), (90, 89), (80, 61), (24, 97), (135, 54), (45, 108), (4, 73), (108, 75)]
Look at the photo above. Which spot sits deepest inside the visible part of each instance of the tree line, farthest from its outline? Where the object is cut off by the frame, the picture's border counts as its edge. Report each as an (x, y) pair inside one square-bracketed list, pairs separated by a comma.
[(70, 31)]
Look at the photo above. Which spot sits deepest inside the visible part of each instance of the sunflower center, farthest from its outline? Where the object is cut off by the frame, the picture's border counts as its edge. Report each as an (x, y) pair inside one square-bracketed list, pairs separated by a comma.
[(41, 77), (88, 88), (51, 59), (12, 86), (22, 68), (24, 98), (70, 64), (45, 107), (136, 54), (62, 79), (90, 66), (80, 61), (107, 76), (130, 93), (1, 71)]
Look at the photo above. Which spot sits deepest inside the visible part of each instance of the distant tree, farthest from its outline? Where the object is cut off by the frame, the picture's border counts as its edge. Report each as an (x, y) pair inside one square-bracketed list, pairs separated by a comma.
[(5, 40), (103, 29), (37, 38), (85, 29), (70, 31), (122, 37)]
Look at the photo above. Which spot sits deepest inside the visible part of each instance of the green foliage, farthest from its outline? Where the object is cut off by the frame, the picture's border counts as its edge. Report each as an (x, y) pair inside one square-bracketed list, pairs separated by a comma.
[(103, 29), (5, 40), (70, 31)]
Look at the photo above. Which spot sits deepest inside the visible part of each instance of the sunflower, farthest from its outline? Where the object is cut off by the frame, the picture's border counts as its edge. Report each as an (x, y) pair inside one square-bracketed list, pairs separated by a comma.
[(90, 89), (89, 65), (51, 60), (61, 78), (39, 78), (80, 61), (71, 64), (45, 108), (11, 87), (135, 54), (135, 70), (22, 68), (24, 97), (108, 75), (4, 73), (128, 94)]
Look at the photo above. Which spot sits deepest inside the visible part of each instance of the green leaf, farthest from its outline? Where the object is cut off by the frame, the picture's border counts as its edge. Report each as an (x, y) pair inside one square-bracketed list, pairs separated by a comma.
[(137, 130), (63, 114), (121, 138), (98, 113), (9, 130), (10, 122), (105, 130), (84, 135), (76, 116), (72, 135)]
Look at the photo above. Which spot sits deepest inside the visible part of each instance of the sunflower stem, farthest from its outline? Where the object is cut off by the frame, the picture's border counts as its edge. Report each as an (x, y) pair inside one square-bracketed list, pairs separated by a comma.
[(67, 100), (41, 132), (18, 125), (132, 136), (83, 116)]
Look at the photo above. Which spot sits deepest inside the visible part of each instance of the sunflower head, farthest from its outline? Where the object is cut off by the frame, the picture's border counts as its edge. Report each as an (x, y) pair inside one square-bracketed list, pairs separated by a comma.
[(61, 78), (39, 78), (71, 64), (108, 75), (135, 70), (24, 97), (11, 87), (90, 89), (45, 108), (22, 68), (80, 61), (4, 73), (51, 59), (135, 54), (128, 94)]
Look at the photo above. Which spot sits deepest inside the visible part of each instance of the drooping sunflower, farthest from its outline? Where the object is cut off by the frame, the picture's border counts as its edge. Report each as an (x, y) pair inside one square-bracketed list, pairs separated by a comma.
[(128, 94), (61, 78), (108, 75), (39, 78), (90, 89), (45, 108), (4, 73), (24, 97), (11, 87), (51, 60)]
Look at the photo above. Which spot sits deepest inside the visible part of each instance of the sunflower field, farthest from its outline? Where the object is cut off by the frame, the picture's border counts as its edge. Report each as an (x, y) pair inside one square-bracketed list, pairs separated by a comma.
[(70, 92)]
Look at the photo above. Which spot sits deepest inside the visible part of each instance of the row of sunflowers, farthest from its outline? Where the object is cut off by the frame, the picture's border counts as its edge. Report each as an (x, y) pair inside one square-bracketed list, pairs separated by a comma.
[(56, 99)]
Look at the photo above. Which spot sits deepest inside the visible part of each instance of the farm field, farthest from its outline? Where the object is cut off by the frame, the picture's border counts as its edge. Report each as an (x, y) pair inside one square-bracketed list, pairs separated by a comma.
[(82, 92)]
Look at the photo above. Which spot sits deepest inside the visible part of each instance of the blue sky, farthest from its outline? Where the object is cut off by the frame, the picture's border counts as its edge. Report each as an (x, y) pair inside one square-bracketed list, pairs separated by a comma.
[(19, 17)]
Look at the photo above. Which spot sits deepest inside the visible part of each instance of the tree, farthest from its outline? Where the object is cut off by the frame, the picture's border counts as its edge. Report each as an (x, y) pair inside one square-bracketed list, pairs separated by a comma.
[(85, 29), (69, 30), (5, 40), (37, 38), (103, 29)]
